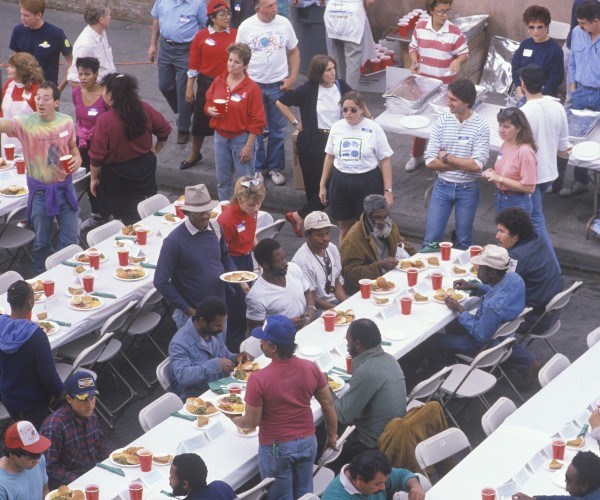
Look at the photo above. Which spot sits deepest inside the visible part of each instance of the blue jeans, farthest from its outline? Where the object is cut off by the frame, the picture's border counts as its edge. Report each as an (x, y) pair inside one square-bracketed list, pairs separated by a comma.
[(228, 164), (464, 198), (68, 227), (537, 217), (180, 318), (273, 159), (519, 200), (292, 468), (584, 99), (173, 62)]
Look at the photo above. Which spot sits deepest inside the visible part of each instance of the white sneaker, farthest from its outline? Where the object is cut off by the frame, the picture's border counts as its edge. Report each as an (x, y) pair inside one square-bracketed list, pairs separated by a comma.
[(277, 178), (259, 175), (576, 188), (414, 163)]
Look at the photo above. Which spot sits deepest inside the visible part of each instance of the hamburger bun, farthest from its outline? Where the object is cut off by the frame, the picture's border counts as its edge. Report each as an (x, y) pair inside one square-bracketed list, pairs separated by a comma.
[(78, 495), (381, 282), (133, 459), (63, 489), (190, 401), (420, 298), (76, 300)]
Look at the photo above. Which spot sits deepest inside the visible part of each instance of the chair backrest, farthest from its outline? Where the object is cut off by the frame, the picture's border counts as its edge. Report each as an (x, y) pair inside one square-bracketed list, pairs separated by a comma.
[(270, 231), (309, 496), (441, 446), (7, 278), (429, 387), (162, 374), (329, 455), (159, 410), (116, 321), (81, 185), (150, 205), (151, 298), (559, 30), (91, 354), (425, 484), (252, 346), (552, 368), (510, 327), (492, 418), (259, 491), (493, 356), (64, 254), (103, 232), (18, 214), (592, 338), (561, 299)]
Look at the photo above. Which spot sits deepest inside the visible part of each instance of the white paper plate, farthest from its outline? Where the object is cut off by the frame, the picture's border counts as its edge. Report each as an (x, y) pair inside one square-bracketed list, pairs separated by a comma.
[(385, 292), (248, 435), (558, 478), (120, 450), (338, 380), (133, 236), (218, 402), (588, 150), (53, 330), (444, 302), (54, 492), (35, 317), (423, 261), (103, 257), (310, 350), (40, 298), (16, 195), (459, 275), (177, 220), (547, 466), (247, 280), (183, 410), (100, 304), (395, 335), (420, 303), (414, 121), (126, 243), (131, 279)]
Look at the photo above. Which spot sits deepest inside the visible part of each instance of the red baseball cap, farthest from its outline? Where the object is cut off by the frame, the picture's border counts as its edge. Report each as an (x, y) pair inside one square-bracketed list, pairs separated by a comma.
[(23, 435), (215, 6)]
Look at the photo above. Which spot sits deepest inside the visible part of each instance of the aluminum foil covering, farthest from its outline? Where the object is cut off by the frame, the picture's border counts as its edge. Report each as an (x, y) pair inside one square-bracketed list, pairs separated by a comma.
[(582, 122), (439, 103), (471, 25), (411, 94), (497, 72)]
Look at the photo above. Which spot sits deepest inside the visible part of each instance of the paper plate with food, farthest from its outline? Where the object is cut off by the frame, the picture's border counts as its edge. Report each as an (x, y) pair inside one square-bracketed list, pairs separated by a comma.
[(554, 464), (381, 301), (130, 273), (126, 457), (458, 271), (49, 327), (134, 261), (381, 285), (14, 191), (433, 261), (239, 276), (124, 243), (85, 303), (405, 264), (74, 290), (65, 493), (170, 219), (342, 317), (247, 432), (231, 404), (129, 231), (473, 271), (243, 371), (441, 295), (84, 257), (576, 444), (335, 382), (39, 316), (5, 165), (37, 285), (162, 458), (39, 297), (419, 298), (197, 406)]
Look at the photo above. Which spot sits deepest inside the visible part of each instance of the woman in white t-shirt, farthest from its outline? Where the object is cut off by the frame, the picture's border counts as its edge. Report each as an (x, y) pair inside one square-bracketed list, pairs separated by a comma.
[(357, 163)]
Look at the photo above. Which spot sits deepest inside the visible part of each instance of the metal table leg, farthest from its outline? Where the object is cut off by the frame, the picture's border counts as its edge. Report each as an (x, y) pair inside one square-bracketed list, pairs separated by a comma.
[(594, 178)]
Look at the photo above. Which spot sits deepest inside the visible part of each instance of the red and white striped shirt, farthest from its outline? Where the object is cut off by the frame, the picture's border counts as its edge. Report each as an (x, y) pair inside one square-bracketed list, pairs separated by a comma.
[(437, 49)]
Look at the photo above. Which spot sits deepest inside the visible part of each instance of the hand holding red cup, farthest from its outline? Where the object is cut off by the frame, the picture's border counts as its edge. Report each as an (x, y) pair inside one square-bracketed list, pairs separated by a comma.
[(65, 161)]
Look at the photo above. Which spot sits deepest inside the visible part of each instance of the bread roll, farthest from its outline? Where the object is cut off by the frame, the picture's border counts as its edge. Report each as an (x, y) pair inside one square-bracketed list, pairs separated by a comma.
[(201, 421)]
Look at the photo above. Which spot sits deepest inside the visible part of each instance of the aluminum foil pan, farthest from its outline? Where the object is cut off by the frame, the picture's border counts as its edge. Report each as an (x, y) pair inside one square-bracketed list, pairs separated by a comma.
[(471, 25), (497, 72), (410, 95), (439, 103), (582, 122)]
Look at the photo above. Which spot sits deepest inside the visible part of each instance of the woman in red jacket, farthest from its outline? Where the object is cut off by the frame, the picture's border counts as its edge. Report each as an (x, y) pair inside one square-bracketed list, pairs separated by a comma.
[(241, 121), (208, 59)]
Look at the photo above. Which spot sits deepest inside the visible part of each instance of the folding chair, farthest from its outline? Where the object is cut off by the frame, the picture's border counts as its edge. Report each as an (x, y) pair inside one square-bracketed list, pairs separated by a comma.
[(322, 476), (159, 410), (162, 374), (425, 484), (150, 205), (497, 414), (559, 301), (592, 338), (7, 278), (65, 254), (3, 412), (15, 238), (557, 364), (309, 496), (428, 389), (103, 232), (259, 491), (439, 447), (270, 231), (81, 185)]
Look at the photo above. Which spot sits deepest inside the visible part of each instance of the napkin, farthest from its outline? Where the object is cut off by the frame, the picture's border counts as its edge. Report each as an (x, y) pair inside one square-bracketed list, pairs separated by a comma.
[(220, 386), (383, 342), (148, 265), (430, 248), (72, 264), (339, 372), (166, 493), (130, 238), (115, 470), (105, 295), (158, 213), (181, 415), (61, 323)]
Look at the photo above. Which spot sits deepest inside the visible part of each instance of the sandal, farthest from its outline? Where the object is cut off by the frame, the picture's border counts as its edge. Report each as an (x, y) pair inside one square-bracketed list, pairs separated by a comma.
[(184, 165), (290, 218)]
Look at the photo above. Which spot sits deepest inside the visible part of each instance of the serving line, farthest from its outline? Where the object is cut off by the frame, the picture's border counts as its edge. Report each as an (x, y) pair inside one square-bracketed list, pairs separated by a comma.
[(503, 455)]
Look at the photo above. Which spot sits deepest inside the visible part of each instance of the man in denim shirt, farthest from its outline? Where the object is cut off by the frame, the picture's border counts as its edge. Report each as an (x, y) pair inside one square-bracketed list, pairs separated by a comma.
[(197, 352)]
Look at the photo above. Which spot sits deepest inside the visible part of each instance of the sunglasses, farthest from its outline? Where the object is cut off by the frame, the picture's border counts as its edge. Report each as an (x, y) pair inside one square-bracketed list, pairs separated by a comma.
[(536, 28), (443, 12), (379, 220), (507, 114), (253, 182), (350, 110), (329, 288)]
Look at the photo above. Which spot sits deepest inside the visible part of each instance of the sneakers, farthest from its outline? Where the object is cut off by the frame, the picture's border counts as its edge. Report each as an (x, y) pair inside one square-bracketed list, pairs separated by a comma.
[(414, 163), (91, 223), (576, 188), (260, 176), (183, 137), (277, 178), (529, 375)]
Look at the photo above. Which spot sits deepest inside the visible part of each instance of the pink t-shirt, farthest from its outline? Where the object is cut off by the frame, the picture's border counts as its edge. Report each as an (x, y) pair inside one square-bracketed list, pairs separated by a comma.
[(284, 390), (518, 163)]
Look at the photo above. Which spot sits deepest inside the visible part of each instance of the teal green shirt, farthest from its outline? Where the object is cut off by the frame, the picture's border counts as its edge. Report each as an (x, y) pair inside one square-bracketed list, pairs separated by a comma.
[(338, 488)]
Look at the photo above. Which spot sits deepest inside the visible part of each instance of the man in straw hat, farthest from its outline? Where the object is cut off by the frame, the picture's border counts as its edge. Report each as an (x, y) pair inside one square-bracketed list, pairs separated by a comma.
[(193, 257)]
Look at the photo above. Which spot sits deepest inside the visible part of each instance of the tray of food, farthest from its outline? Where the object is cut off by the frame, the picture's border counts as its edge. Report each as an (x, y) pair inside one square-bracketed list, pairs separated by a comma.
[(411, 94), (582, 122)]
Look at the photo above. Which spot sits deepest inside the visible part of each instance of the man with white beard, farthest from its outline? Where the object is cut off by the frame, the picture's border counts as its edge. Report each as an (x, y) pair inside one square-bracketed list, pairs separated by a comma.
[(370, 247)]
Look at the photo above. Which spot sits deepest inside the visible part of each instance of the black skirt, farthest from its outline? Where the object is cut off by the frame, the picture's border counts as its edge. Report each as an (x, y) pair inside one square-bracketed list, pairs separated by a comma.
[(200, 120)]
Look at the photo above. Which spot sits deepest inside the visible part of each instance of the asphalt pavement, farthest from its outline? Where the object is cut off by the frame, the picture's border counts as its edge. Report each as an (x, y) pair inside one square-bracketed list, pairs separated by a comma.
[(565, 219)]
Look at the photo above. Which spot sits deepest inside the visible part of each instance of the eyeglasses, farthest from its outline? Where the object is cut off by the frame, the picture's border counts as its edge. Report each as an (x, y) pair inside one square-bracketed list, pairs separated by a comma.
[(507, 114), (350, 110), (536, 28), (443, 12), (46, 98), (225, 14), (253, 182), (379, 220)]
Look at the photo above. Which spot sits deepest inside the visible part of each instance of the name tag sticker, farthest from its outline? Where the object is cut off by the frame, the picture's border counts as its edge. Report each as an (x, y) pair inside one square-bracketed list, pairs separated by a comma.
[(237, 7), (64, 133), (236, 97), (463, 140), (241, 227), (211, 42), (92, 112), (366, 130), (527, 53), (184, 19)]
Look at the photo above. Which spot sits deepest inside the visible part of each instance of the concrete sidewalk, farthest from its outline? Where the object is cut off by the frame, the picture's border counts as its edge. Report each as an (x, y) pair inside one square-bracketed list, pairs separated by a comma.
[(565, 218)]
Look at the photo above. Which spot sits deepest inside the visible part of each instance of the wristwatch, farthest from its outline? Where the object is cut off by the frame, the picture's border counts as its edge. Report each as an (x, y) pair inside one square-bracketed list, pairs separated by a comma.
[(445, 158), (389, 190), (295, 122)]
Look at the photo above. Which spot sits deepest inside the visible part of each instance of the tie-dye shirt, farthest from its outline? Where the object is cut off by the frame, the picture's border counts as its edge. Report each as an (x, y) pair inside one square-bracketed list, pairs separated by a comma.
[(44, 143)]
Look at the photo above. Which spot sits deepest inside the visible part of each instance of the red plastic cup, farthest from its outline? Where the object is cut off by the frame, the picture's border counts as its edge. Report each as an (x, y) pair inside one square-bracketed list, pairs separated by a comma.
[(349, 364), (558, 449), (488, 494), (9, 152), (365, 288), (123, 254), (28, 316), (475, 250), (364, 69), (436, 280), (385, 61), (64, 161), (234, 388), (136, 491), (403, 28), (178, 212), (375, 64), (48, 287), (145, 456), (221, 105), (88, 283), (94, 259), (142, 235), (405, 305), (329, 320), (445, 249), (20, 164), (412, 274), (92, 492)]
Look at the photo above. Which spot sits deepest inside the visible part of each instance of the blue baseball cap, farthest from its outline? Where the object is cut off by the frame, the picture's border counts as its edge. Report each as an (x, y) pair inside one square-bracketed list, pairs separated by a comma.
[(81, 385), (277, 329)]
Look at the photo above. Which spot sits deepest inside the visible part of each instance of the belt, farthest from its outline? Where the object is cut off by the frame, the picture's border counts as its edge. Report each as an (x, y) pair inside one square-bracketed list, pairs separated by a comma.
[(510, 193), (596, 89), (171, 42), (323, 131)]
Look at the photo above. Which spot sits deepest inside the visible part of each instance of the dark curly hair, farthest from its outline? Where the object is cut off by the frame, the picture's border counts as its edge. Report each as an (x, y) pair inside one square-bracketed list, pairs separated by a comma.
[(367, 464), (126, 102), (537, 13), (263, 252), (588, 10), (587, 465), (191, 468), (517, 221)]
